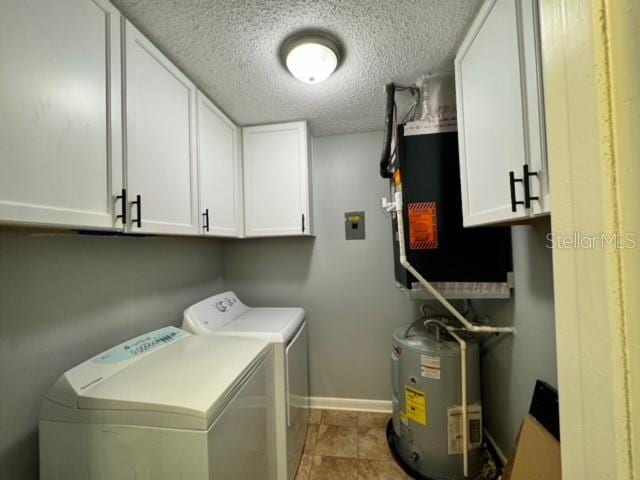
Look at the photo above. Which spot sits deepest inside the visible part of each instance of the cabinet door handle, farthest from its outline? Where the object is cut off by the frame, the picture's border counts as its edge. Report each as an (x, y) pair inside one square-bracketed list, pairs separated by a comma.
[(138, 203), (303, 223), (123, 206), (205, 227), (512, 188), (527, 187)]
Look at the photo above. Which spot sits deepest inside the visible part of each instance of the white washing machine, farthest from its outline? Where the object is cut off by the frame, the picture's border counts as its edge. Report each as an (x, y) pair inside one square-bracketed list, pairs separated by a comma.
[(163, 406), (225, 315)]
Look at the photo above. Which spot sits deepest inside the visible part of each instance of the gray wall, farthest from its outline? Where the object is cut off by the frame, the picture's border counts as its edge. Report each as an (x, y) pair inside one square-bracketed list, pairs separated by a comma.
[(511, 365), (347, 287), (65, 298)]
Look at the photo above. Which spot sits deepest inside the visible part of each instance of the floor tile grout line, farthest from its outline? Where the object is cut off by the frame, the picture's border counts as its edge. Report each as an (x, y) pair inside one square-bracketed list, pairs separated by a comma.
[(357, 447), (313, 450), (357, 439)]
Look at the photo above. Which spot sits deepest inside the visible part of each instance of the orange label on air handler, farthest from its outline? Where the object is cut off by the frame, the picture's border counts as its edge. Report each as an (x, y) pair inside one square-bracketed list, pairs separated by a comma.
[(423, 226)]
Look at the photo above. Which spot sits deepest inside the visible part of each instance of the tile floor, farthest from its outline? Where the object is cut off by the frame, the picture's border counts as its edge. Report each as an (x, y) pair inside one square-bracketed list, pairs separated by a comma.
[(346, 445)]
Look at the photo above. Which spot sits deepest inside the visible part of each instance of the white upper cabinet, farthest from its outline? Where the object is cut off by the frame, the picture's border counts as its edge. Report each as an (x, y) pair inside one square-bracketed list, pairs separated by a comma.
[(219, 172), (503, 163), (277, 180), (99, 130), (160, 153), (60, 143)]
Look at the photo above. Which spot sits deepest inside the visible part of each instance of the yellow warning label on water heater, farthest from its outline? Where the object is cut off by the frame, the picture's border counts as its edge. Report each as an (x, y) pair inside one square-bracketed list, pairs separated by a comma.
[(416, 405)]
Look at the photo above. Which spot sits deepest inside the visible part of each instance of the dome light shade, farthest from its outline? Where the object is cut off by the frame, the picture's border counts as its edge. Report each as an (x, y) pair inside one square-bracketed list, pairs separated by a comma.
[(310, 58)]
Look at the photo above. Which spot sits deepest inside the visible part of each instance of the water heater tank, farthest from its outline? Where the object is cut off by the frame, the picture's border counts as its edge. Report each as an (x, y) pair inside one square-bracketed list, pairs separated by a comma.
[(427, 420)]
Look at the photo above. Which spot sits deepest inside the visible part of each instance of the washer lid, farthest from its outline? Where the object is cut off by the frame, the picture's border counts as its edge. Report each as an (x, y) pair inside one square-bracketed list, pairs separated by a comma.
[(277, 325), (182, 382)]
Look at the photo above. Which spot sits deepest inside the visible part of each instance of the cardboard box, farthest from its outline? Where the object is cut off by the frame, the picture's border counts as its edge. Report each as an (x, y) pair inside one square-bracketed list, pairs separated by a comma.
[(537, 454)]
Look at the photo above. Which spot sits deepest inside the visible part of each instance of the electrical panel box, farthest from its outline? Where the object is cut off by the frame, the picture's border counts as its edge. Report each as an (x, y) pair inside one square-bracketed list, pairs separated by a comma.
[(354, 226)]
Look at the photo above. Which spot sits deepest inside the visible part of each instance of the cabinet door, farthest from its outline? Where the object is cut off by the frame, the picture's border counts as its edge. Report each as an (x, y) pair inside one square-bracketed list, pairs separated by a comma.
[(276, 180), (160, 140), (60, 150), (491, 119), (218, 172), (535, 107)]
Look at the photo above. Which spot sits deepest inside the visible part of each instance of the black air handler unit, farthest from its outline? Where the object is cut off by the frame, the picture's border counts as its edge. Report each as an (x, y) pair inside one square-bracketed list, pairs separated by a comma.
[(436, 243)]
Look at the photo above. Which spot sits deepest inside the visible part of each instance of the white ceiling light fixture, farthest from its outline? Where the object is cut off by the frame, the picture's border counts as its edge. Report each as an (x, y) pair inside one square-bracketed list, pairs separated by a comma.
[(311, 57)]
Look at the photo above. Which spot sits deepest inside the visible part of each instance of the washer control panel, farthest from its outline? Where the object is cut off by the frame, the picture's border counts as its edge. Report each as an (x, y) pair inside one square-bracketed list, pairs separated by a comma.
[(140, 345), (102, 366)]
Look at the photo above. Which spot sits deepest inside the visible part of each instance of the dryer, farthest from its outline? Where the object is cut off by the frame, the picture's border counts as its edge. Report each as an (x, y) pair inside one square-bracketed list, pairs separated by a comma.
[(225, 315), (163, 406)]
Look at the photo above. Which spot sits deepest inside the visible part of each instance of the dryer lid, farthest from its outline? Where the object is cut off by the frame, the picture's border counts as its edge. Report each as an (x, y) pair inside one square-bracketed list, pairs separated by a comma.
[(175, 380)]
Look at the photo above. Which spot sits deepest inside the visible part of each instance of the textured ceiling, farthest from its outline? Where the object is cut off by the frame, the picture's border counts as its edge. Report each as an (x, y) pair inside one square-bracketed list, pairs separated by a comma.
[(230, 50)]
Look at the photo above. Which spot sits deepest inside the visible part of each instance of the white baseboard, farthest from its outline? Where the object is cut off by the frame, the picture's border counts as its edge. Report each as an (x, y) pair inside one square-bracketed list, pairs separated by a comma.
[(362, 405)]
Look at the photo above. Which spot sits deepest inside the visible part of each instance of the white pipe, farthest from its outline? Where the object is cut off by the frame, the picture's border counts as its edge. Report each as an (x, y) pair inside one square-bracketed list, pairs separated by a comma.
[(403, 261), (465, 420), (463, 389)]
